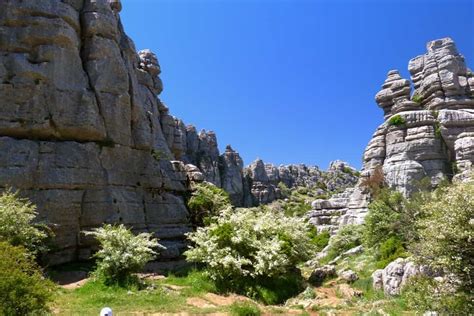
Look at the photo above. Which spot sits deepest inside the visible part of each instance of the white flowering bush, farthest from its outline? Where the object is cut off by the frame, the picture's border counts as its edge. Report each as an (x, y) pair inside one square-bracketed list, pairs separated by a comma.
[(251, 243), (122, 253), (17, 225)]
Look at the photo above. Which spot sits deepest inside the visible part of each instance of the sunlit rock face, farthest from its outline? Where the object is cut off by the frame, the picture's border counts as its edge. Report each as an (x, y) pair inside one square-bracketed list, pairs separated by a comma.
[(428, 132), (82, 131), (434, 134)]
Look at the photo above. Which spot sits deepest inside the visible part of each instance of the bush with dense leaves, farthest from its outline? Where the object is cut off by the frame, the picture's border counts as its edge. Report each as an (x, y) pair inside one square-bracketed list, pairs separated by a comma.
[(426, 294), (206, 201), (247, 248), (17, 225), (23, 289), (347, 237), (446, 232), (122, 253)]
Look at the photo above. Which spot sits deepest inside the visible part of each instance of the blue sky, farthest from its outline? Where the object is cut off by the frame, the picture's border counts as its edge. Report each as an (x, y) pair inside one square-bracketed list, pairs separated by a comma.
[(289, 81)]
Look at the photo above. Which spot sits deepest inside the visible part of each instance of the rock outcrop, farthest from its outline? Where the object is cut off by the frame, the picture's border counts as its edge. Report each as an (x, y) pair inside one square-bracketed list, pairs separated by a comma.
[(263, 181), (396, 275), (83, 133), (427, 133)]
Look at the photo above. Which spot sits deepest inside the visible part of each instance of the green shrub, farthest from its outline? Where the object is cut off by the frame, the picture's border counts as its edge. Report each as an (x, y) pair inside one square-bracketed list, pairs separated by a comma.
[(347, 237), (417, 98), (23, 289), (245, 248), (390, 250), (244, 309), (320, 240), (392, 215), (285, 191), (17, 225), (396, 120), (446, 232), (425, 294), (122, 253), (206, 201)]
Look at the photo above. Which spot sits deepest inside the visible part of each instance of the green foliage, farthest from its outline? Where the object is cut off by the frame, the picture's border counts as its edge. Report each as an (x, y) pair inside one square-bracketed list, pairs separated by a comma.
[(417, 98), (437, 130), (285, 191), (17, 225), (347, 237), (194, 282), (320, 240), (23, 289), (244, 309), (425, 294), (392, 215), (446, 232), (390, 250), (454, 168), (396, 120), (158, 155), (122, 253), (206, 201)]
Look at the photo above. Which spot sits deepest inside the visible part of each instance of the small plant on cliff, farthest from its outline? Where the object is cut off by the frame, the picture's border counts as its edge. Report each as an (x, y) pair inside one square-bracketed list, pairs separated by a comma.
[(417, 98), (17, 225), (252, 250), (396, 120), (206, 201), (122, 253), (23, 289)]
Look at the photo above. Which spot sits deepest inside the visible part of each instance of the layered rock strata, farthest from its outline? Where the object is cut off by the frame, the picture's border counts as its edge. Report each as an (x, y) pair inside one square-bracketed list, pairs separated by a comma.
[(82, 132), (428, 133), (263, 180)]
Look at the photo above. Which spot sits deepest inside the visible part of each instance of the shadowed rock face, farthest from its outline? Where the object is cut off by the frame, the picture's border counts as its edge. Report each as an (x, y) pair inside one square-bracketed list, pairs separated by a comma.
[(427, 133)]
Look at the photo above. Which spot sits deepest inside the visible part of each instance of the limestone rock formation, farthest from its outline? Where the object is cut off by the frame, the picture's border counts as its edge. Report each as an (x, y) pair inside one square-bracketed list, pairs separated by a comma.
[(262, 180), (427, 133), (392, 279), (430, 132), (82, 131)]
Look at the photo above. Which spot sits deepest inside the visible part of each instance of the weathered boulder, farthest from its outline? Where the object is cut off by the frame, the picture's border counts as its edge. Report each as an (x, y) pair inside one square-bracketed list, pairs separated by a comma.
[(318, 276), (392, 279), (348, 276)]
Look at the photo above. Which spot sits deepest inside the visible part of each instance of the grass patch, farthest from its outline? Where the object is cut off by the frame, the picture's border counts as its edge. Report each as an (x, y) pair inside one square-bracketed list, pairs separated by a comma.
[(244, 309), (89, 299)]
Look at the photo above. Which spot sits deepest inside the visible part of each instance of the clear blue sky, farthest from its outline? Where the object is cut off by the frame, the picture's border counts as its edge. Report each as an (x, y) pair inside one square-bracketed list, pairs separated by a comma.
[(289, 81)]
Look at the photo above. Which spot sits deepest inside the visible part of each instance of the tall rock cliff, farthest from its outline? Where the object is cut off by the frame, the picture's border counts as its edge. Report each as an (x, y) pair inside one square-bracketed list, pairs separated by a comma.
[(82, 131), (428, 132)]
